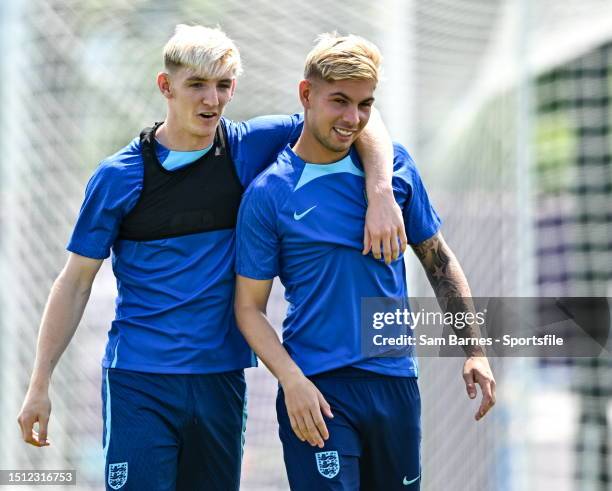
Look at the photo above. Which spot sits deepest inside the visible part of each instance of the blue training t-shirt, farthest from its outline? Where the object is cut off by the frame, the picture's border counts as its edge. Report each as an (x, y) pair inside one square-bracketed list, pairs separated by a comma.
[(175, 159), (304, 223), (174, 308)]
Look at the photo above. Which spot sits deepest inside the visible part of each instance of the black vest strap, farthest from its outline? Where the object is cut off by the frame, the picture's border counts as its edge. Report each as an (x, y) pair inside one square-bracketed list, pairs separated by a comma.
[(202, 196), (147, 142)]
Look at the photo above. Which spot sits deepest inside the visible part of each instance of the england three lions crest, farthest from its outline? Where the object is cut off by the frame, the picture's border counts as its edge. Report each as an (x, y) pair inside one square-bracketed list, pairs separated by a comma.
[(117, 475), (328, 464)]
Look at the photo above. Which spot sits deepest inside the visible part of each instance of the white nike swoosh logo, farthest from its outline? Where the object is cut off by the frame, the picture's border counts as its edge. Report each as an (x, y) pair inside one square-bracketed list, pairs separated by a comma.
[(406, 482), (299, 216)]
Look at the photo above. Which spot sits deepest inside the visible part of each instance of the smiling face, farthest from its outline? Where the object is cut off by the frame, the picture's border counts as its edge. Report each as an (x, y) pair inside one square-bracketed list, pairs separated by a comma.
[(195, 104), (335, 112)]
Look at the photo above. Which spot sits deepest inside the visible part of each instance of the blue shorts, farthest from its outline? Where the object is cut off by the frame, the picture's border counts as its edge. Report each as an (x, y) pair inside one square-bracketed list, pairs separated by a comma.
[(374, 437), (166, 432)]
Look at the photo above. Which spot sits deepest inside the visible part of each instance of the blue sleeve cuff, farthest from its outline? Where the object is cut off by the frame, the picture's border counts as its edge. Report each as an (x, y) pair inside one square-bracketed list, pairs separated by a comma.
[(255, 275), (427, 233), (85, 251)]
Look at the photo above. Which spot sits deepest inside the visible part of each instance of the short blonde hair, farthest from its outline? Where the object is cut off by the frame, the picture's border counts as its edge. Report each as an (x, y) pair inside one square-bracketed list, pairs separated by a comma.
[(336, 57), (208, 51)]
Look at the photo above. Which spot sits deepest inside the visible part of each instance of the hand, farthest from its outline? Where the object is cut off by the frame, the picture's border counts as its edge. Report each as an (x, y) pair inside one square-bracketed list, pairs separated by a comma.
[(36, 409), (305, 403), (476, 370), (384, 224)]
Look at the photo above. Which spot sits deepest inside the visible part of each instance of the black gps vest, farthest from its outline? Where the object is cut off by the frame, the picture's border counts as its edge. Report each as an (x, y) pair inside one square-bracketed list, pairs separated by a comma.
[(203, 196)]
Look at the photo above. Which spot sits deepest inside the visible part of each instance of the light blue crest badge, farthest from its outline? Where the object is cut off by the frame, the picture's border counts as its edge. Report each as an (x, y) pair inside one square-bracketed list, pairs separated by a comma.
[(117, 475), (328, 464)]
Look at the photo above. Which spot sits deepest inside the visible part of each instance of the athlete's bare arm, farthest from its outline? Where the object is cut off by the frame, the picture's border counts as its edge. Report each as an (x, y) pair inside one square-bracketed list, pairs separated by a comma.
[(65, 306), (305, 404), (453, 293), (384, 231)]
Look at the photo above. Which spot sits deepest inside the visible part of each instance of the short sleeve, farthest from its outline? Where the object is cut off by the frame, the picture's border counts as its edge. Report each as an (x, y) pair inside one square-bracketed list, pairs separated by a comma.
[(110, 194), (420, 218), (257, 240), (255, 144)]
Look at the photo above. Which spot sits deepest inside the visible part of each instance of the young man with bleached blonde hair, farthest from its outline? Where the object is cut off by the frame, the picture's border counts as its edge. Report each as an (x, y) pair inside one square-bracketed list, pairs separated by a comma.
[(328, 60), (348, 419), (166, 207), (217, 55)]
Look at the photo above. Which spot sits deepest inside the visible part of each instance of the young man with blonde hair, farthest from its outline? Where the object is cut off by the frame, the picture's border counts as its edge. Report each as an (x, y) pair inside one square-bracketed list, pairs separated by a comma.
[(347, 420), (166, 205)]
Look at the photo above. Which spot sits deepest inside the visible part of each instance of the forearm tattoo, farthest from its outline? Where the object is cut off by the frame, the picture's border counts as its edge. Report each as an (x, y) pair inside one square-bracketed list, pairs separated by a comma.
[(449, 284)]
